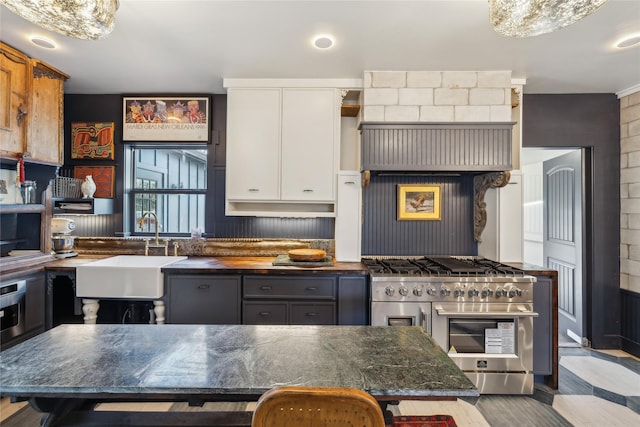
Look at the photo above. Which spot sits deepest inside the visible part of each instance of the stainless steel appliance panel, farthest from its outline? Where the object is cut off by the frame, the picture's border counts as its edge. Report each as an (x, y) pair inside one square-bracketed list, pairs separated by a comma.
[(12, 309), (401, 314)]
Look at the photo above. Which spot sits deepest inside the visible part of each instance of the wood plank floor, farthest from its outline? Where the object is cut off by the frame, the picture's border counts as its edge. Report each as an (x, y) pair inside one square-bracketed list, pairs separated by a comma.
[(595, 388)]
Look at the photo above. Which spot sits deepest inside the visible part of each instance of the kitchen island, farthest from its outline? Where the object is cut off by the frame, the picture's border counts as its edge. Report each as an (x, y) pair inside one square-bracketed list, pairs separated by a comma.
[(69, 369)]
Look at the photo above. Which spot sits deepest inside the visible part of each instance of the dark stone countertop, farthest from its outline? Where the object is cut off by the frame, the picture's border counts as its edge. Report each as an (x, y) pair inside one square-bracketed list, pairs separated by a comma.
[(154, 362), (226, 265)]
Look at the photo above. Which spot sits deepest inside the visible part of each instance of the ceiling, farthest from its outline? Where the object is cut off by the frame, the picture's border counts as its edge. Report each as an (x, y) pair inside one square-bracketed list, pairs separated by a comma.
[(190, 46)]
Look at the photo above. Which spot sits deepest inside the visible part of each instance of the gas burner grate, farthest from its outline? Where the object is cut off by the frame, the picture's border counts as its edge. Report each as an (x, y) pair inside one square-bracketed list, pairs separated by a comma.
[(440, 266)]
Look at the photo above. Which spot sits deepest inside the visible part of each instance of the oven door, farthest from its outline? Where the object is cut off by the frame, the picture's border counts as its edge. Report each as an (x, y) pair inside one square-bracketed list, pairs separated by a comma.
[(491, 343), (401, 314)]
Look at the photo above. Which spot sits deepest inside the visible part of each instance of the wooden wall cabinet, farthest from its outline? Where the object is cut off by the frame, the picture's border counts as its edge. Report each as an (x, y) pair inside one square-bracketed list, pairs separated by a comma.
[(15, 72), (31, 108), (45, 138)]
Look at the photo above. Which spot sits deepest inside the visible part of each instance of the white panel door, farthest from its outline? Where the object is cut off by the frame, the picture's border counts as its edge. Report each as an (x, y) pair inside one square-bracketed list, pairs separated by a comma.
[(253, 144), (309, 134)]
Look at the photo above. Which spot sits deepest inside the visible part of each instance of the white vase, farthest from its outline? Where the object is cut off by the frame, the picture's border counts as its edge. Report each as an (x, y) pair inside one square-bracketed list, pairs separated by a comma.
[(88, 187)]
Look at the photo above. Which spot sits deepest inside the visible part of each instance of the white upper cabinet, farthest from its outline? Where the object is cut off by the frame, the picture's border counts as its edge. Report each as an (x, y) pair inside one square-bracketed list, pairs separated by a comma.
[(310, 137), (253, 144), (283, 148)]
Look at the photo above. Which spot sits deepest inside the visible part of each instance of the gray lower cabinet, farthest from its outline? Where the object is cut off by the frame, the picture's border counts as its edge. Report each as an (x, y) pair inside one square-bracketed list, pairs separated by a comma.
[(543, 326), (203, 299), (289, 300), (35, 304), (353, 300), (267, 299)]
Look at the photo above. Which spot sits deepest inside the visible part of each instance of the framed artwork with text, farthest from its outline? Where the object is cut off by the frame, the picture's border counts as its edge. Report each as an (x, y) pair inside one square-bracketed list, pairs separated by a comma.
[(164, 118)]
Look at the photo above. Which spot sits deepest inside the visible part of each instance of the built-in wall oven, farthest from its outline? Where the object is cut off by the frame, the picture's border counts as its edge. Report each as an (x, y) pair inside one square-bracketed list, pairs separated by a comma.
[(12, 309), (479, 311)]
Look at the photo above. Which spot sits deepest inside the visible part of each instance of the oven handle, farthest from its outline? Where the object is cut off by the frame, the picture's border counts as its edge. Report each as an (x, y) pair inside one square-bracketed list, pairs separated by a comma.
[(489, 315)]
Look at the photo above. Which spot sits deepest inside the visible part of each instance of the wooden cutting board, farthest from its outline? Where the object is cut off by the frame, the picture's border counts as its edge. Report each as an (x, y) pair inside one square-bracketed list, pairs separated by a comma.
[(307, 254)]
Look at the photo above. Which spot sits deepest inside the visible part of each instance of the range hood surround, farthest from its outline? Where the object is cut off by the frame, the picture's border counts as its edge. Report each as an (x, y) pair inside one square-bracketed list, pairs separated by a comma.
[(481, 149), (436, 147)]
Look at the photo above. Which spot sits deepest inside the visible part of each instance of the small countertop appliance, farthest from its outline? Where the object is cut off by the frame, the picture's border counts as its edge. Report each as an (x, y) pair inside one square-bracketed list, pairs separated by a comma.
[(61, 237)]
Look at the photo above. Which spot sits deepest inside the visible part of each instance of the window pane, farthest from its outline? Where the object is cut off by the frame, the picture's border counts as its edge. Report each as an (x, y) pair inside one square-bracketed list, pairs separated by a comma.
[(170, 168), (177, 213)]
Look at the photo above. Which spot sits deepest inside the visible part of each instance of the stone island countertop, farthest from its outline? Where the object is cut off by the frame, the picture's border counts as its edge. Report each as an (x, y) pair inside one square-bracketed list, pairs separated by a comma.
[(150, 362)]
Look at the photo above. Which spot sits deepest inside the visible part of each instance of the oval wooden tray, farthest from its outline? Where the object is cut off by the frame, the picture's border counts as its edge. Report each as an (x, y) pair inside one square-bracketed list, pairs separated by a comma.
[(307, 254)]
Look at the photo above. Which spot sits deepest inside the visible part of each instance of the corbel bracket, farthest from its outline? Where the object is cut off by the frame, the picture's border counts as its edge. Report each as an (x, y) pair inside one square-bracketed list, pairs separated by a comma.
[(481, 183)]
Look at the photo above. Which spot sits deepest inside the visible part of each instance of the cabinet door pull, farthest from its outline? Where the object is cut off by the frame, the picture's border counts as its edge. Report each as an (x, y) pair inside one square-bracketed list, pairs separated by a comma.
[(307, 190), (350, 182), (254, 190), (265, 288), (312, 288), (312, 314), (203, 286), (265, 313)]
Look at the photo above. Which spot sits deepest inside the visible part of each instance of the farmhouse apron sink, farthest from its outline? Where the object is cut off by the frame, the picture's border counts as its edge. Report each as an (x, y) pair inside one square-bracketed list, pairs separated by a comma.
[(122, 277)]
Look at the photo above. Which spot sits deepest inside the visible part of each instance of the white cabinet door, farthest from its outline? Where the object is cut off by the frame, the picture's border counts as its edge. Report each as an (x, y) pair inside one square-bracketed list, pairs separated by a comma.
[(309, 130), (348, 229), (253, 144)]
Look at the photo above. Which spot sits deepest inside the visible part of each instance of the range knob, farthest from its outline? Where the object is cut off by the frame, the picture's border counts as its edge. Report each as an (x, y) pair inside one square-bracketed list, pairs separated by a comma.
[(486, 292), (390, 291), (514, 292), (403, 291), (431, 291), (500, 293), (444, 291), (473, 292), (458, 292), (417, 291)]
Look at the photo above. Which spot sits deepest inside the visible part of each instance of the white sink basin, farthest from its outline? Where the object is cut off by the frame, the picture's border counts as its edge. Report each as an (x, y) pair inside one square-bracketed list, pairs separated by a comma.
[(123, 276)]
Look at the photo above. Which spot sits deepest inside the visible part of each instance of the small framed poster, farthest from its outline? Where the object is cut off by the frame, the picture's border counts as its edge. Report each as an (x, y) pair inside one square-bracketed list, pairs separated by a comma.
[(164, 118), (92, 140), (103, 176), (419, 202)]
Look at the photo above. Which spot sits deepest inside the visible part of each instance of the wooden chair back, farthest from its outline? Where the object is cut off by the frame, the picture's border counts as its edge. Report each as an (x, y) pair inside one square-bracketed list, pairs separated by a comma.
[(317, 407)]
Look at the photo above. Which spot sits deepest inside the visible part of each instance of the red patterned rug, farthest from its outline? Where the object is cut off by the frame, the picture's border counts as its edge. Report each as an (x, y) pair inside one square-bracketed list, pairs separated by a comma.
[(423, 421)]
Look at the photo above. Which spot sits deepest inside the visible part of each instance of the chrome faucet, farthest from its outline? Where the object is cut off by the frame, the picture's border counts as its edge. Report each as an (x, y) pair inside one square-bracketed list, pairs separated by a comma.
[(141, 223)]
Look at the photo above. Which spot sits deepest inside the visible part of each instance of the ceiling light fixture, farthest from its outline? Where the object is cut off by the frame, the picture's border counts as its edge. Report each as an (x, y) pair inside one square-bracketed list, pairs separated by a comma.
[(43, 42), (88, 20), (527, 18), (323, 41), (628, 41)]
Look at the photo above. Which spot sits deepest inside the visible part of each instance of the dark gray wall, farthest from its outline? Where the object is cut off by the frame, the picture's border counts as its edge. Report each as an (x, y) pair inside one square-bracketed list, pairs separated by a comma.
[(591, 121), (107, 108), (384, 234)]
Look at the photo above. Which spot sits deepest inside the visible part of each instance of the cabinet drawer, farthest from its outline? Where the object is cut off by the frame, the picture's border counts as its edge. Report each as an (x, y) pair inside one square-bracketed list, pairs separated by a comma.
[(321, 313), (264, 313), (290, 287)]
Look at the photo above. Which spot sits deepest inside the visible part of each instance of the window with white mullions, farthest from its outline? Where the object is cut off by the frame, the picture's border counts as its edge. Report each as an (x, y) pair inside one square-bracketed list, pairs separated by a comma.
[(172, 183)]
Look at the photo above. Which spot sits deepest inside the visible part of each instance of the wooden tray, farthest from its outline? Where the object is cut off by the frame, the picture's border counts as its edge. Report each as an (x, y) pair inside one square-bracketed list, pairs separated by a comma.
[(307, 254), (284, 260)]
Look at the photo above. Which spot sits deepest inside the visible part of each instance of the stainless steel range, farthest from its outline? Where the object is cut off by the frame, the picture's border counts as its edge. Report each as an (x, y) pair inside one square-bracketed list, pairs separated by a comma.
[(479, 311)]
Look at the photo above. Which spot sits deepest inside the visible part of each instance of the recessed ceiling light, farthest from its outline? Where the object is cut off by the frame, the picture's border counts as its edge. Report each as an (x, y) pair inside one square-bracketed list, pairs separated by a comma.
[(43, 42), (323, 41), (628, 41)]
